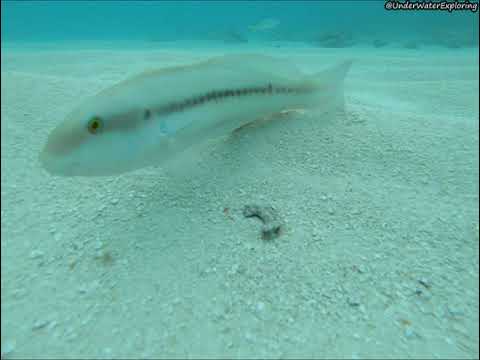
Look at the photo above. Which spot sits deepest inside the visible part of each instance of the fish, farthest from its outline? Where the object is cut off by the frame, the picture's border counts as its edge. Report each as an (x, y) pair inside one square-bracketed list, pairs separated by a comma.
[(264, 25), (150, 118)]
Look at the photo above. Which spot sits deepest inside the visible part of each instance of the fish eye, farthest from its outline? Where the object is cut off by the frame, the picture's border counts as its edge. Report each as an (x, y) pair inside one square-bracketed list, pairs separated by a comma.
[(95, 124)]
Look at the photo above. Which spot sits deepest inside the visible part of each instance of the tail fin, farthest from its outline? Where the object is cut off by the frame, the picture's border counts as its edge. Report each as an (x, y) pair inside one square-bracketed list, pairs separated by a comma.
[(328, 85), (335, 74)]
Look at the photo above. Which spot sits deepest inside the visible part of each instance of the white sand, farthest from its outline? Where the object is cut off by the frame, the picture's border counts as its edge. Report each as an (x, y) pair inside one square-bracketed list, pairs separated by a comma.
[(148, 264)]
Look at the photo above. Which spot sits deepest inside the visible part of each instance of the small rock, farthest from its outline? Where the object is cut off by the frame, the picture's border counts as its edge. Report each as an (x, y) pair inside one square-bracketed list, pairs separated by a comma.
[(272, 225), (425, 283), (36, 254), (317, 235), (352, 301), (40, 324)]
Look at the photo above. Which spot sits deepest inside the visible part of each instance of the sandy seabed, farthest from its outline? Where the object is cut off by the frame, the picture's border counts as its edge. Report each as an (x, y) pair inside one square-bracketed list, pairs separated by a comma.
[(379, 255)]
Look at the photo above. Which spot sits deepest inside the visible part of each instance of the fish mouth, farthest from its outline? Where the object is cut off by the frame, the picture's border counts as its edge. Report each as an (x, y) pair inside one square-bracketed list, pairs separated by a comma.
[(54, 165), (58, 165)]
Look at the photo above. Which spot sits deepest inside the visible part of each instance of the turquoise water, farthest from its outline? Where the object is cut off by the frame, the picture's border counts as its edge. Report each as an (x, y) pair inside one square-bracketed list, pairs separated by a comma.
[(345, 226), (205, 20)]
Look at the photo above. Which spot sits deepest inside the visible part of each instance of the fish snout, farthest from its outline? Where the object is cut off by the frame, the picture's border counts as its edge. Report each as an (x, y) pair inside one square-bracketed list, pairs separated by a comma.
[(55, 155), (52, 163)]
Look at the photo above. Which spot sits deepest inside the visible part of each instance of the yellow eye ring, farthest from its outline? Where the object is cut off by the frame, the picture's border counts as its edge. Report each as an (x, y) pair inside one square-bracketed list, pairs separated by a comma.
[(95, 124)]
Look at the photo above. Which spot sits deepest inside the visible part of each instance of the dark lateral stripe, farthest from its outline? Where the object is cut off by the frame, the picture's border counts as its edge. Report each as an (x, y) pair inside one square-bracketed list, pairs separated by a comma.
[(127, 121), (218, 95)]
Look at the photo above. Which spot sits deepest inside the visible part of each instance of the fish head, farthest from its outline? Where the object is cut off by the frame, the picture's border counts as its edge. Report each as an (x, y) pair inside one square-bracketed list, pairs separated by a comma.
[(101, 137)]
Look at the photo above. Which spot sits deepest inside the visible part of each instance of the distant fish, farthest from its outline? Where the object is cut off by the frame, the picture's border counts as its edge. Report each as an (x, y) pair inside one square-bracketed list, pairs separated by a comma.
[(265, 24), (150, 118)]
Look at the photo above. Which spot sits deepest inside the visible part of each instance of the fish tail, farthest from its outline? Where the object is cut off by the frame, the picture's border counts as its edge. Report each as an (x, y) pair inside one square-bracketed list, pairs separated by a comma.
[(328, 85), (334, 75)]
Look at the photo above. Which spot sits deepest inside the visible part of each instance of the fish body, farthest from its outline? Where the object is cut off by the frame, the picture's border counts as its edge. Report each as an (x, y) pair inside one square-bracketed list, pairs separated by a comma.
[(151, 117)]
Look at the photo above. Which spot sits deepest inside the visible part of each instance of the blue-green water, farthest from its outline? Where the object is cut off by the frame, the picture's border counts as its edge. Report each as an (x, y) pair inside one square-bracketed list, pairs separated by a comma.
[(376, 203), (206, 20)]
